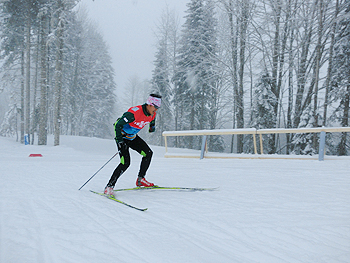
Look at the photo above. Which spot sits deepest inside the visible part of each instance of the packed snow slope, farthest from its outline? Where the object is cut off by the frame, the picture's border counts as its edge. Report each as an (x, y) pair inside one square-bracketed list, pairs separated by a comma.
[(263, 210)]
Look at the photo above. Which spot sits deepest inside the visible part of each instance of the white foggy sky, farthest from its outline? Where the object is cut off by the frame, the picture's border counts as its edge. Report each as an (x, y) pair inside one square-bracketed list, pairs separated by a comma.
[(128, 27)]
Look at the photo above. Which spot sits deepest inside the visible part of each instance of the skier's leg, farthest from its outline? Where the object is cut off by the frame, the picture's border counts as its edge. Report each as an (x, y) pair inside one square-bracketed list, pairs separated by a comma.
[(142, 148), (122, 167)]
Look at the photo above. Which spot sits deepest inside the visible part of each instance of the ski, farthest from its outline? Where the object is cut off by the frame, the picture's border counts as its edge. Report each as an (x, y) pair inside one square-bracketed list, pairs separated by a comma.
[(166, 188), (111, 197)]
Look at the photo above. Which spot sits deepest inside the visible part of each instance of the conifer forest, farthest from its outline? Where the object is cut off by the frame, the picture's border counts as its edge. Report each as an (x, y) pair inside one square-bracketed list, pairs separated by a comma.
[(231, 64)]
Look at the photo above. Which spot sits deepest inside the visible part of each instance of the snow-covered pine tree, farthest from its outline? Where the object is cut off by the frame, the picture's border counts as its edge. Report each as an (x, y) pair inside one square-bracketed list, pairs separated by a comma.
[(12, 55), (73, 88), (87, 80), (212, 78), (161, 85), (88, 98), (195, 78), (263, 111), (303, 142), (163, 73), (96, 86)]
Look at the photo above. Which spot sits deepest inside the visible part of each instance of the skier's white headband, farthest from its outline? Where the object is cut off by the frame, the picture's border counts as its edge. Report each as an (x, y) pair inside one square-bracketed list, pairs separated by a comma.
[(154, 101)]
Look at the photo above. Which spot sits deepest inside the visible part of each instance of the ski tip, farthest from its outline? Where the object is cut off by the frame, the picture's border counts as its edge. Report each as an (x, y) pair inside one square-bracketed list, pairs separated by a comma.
[(113, 198)]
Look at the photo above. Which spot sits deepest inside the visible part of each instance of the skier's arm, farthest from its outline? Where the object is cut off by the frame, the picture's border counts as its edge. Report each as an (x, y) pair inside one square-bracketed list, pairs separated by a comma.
[(118, 126)]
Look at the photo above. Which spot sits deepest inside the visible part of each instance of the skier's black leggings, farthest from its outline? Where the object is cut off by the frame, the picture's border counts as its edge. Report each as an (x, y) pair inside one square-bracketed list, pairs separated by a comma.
[(139, 146)]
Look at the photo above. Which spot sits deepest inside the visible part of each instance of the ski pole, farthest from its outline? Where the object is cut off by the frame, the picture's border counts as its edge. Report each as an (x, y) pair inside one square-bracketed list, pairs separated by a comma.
[(99, 170)]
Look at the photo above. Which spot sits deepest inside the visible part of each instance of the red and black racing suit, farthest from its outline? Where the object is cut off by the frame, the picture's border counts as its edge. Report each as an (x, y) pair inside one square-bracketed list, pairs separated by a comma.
[(126, 129)]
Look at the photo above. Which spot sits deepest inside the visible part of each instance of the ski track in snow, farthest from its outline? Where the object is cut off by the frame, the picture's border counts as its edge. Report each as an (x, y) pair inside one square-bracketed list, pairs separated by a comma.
[(263, 210)]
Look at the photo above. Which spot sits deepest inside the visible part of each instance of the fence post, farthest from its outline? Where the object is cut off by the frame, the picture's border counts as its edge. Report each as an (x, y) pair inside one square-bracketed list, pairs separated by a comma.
[(254, 142), (261, 144), (166, 144), (204, 142), (322, 146)]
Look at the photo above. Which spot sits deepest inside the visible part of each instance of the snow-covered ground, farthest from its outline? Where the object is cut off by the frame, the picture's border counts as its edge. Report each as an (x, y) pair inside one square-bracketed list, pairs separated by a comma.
[(263, 211)]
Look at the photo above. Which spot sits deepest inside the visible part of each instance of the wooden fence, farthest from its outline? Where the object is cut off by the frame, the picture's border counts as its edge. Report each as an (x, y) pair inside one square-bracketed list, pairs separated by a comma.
[(321, 130)]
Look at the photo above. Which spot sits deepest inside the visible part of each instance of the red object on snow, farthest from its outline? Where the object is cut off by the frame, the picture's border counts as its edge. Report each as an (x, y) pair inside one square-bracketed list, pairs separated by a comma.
[(35, 155)]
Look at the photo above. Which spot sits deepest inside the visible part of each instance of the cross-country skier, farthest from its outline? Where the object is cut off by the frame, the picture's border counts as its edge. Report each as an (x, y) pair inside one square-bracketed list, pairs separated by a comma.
[(126, 129)]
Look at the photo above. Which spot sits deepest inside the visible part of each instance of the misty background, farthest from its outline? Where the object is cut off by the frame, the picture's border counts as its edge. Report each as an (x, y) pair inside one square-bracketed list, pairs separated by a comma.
[(73, 67), (130, 31)]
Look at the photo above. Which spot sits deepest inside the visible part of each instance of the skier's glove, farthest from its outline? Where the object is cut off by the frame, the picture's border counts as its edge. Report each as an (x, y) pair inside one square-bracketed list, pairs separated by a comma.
[(152, 126)]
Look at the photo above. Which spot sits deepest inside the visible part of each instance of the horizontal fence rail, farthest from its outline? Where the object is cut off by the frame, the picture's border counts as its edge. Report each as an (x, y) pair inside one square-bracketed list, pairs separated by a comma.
[(254, 132)]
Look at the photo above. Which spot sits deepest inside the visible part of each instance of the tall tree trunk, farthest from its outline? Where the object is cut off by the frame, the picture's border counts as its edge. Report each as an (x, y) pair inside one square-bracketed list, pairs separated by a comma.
[(234, 56), (34, 123), (58, 79), (317, 67), (284, 39), (290, 85), (345, 120), (27, 96), (42, 136), (22, 96), (276, 54), (330, 63), (302, 67), (240, 90)]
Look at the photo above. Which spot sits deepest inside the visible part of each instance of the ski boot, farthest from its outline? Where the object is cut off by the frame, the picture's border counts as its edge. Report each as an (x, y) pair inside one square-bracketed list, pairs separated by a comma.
[(141, 181), (108, 190)]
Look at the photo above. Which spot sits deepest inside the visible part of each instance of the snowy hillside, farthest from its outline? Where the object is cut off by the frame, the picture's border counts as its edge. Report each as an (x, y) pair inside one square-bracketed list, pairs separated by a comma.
[(263, 211)]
